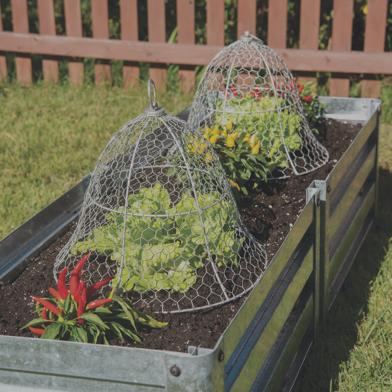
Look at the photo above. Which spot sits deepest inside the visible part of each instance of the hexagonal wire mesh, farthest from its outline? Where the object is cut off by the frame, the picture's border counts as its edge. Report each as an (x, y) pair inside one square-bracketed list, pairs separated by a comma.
[(248, 84), (159, 217)]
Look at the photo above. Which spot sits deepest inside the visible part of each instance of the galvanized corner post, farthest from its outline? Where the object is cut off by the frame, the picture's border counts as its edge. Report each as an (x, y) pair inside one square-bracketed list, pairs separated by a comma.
[(318, 192), (377, 131)]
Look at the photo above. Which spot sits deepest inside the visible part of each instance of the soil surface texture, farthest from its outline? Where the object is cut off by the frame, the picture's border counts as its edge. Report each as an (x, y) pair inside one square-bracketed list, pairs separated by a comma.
[(269, 215)]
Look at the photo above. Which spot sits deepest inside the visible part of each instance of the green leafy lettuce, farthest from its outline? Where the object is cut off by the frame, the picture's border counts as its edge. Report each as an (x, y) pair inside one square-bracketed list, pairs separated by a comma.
[(165, 244)]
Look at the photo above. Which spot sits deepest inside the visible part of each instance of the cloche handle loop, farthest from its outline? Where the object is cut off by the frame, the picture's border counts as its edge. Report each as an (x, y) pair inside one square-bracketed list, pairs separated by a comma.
[(152, 94)]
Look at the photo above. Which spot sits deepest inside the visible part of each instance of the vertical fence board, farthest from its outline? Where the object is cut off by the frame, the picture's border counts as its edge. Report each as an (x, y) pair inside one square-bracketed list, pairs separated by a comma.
[(342, 26), (3, 63), (129, 32), (157, 33), (73, 27), (47, 26), (374, 40), (215, 22), (277, 23), (246, 19), (309, 28), (186, 35), (100, 24), (20, 24)]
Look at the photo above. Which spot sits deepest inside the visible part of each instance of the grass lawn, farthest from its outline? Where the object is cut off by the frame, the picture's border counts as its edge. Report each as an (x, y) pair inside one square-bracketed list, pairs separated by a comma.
[(50, 138)]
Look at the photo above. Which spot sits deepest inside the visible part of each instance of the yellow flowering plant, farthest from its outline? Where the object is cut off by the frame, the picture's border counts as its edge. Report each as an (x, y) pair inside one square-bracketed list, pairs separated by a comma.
[(250, 145)]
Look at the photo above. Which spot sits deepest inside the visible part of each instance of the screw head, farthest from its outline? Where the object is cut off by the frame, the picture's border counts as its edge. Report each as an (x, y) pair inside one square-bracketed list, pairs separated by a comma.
[(221, 356), (175, 371)]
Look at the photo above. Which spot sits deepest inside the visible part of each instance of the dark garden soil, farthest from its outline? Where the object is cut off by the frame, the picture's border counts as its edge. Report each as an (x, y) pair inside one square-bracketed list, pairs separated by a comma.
[(269, 215)]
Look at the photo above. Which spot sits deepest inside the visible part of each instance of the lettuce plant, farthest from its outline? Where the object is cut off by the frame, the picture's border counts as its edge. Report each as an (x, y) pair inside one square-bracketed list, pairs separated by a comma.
[(164, 243)]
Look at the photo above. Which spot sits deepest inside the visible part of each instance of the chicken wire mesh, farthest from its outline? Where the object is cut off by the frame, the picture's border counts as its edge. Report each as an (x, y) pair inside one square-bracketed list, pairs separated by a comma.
[(248, 86), (159, 217)]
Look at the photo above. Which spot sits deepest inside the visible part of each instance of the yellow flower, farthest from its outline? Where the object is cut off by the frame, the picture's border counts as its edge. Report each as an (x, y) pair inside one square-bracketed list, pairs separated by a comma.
[(208, 157), (246, 138), (253, 140), (230, 140), (229, 125), (215, 132), (256, 148), (206, 132), (201, 147), (224, 133), (213, 139), (365, 9), (234, 184)]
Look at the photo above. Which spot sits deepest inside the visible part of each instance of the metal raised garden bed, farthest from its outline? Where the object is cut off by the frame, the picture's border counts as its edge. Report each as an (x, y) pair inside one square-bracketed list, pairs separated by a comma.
[(265, 345)]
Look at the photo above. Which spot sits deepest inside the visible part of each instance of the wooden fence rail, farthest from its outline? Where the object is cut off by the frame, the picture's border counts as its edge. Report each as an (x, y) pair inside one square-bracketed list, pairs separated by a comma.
[(340, 61)]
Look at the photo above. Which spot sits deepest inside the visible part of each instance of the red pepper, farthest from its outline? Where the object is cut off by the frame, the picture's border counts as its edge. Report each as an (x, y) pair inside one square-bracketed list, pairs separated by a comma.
[(37, 331), (54, 293), (82, 298), (74, 286), (48, 305), (78, 268), (300, 87), (308, 98), (97, 286), (44, 314), (62, 288), (75, 276), (98, 302)]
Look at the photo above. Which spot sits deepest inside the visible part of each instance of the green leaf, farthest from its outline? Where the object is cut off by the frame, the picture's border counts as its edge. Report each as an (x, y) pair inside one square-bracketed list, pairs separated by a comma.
[(118, 331), (127, 332), (102, 310), (82, 334), (68, 304), (35, 322), (52, 331), (127, 311), (94, 319)]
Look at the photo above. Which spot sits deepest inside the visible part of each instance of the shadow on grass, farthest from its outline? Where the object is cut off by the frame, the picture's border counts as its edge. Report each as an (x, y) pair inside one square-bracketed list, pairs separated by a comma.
[(339, 333)]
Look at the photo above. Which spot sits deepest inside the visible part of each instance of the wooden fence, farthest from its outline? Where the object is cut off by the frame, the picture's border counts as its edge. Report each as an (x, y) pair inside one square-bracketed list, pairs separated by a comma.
[(340, 60)]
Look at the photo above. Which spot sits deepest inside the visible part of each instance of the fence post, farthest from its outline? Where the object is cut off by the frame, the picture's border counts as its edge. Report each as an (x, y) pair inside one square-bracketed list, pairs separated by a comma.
[(47, 26), (376, 19), (73, 27), (157, 33), (186, 35), (216, 22), (100, 23), (3, 63), (342, 27), (277, 23), (20, 24), (246, 17), (129, 32), (309, 28)]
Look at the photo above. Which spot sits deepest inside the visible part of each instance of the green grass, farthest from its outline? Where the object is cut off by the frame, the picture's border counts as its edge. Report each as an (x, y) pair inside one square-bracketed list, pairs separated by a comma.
[(51, 137)]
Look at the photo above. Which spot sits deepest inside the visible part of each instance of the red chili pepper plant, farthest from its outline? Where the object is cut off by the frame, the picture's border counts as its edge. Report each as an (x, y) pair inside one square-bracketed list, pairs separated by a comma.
[(75, 312), (313, 109)]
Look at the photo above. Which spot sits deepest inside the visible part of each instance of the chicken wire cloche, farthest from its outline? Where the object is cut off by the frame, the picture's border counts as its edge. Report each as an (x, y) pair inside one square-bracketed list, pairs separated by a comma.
[(247, 105), (159, 217)]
